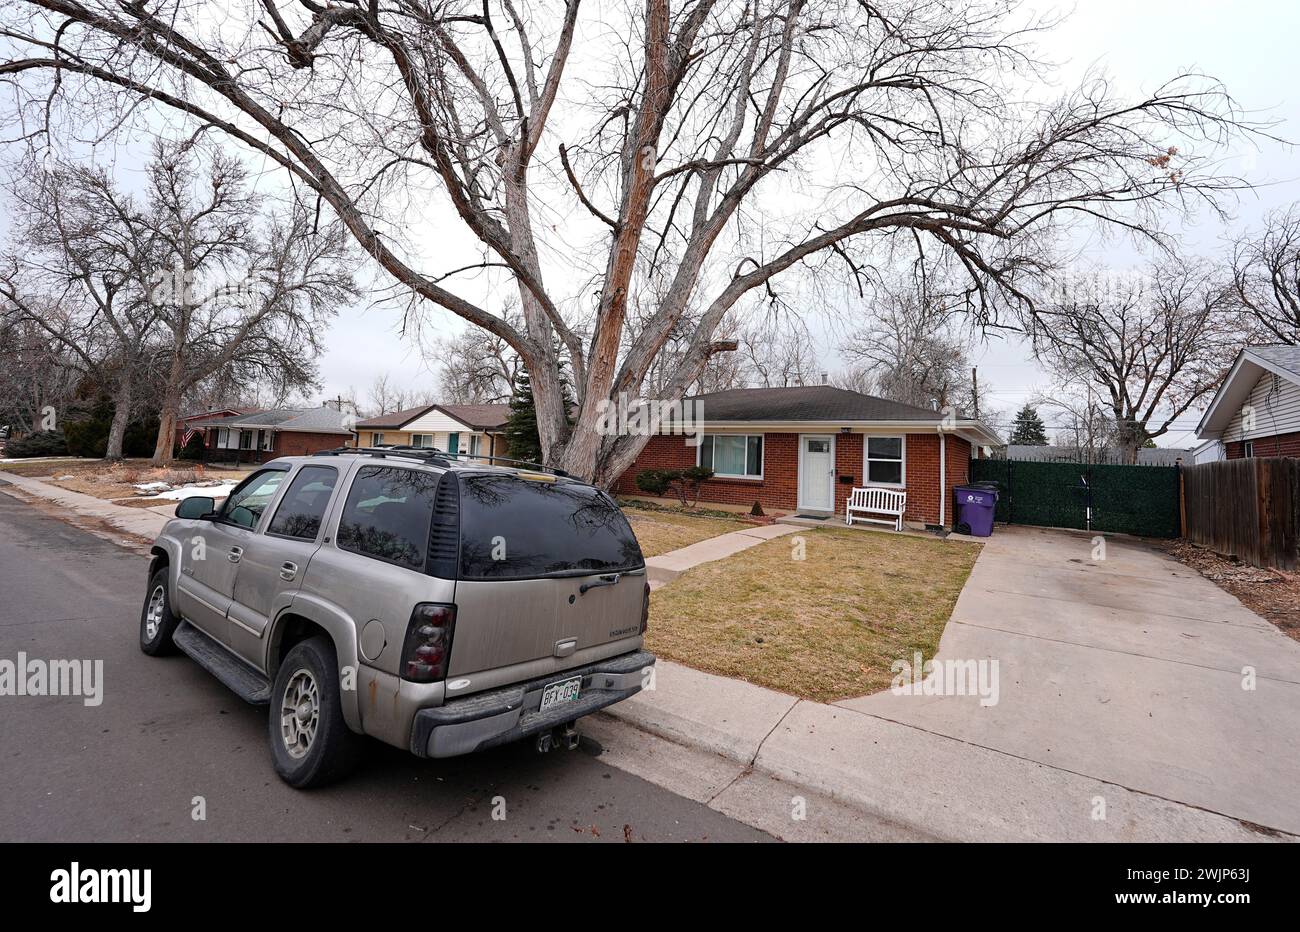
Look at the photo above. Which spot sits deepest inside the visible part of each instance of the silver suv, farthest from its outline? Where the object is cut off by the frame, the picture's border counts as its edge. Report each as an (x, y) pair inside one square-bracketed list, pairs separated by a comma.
[(435, 604)]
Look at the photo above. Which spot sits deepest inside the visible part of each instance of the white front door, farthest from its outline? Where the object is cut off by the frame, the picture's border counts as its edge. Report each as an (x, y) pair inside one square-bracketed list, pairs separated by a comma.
[(816, 472)]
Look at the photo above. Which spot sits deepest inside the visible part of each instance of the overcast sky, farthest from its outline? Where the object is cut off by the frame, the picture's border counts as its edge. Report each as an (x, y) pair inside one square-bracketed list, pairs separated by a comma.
[(1250, 46)]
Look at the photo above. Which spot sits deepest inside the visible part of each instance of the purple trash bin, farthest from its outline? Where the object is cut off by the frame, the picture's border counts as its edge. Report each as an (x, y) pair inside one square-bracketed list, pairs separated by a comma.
[(975, 508)]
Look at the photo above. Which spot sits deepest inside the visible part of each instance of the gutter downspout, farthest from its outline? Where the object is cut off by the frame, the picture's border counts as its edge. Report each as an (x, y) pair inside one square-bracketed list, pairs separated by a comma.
[(943, 473)]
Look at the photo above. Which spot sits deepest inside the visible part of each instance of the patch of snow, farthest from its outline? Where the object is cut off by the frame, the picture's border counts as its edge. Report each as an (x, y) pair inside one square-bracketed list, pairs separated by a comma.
[(212, 487)]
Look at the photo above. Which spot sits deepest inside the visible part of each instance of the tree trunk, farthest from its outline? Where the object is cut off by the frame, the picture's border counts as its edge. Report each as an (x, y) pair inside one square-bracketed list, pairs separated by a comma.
[(168, 415), (121, 415)]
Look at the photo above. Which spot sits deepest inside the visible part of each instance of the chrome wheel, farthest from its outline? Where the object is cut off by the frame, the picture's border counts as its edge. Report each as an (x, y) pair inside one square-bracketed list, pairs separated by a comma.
[(299, 713), (153, 615)]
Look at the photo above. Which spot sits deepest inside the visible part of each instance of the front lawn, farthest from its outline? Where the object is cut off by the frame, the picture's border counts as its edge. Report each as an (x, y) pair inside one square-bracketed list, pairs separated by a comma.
[(824, 627), (117, 481), (661, 529)]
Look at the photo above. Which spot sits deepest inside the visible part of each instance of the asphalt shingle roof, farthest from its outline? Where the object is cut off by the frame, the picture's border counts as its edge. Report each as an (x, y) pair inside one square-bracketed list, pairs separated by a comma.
[(482, 417), (393, 419), (1284, 357), (315, 420), (806, 403)]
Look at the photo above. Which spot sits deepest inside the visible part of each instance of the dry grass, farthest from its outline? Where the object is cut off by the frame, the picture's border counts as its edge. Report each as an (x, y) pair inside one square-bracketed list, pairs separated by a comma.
[(114, 480), (826, 627), (660, 531)]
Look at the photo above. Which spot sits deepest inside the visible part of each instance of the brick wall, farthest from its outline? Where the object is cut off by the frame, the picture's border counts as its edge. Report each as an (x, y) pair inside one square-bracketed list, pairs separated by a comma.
[(779, 487), (1277, 445), (301, 443)]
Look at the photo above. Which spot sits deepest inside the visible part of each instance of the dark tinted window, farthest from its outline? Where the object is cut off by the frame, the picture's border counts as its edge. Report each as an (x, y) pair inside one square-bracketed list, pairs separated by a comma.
[(513, 527), (387, 514), (303, 507), (249, 499)]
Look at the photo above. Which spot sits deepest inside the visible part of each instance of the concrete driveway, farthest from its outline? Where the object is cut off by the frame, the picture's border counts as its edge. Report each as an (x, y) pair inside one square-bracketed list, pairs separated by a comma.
[(1126, 668)]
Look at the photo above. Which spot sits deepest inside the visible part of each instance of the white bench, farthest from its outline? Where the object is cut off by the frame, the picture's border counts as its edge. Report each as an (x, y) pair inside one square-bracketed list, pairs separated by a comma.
[(876, 501)]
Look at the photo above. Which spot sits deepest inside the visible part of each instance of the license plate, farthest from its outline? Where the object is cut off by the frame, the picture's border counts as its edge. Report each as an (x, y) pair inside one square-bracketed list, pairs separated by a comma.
[(557, 693)]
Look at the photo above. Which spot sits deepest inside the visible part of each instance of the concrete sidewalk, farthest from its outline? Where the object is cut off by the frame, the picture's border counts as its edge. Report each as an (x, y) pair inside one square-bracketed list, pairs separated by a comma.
[(1137, 714), (668, 566), (139, 522)]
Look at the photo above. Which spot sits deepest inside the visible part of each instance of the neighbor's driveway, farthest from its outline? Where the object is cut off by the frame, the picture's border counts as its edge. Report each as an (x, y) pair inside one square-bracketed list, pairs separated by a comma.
[(1128, 670)]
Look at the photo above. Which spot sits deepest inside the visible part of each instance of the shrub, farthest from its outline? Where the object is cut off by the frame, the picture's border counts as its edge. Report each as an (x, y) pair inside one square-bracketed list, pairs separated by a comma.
[(757, 510), (684, 483), (654, 481), (41, 443)]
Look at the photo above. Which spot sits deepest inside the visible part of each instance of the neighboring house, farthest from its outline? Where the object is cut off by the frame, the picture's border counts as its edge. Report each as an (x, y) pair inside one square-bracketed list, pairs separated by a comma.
[(1256, 411), (804, 449), (1146, 456), (185, 428), (259, 436), (1211, 451), (473, 429)]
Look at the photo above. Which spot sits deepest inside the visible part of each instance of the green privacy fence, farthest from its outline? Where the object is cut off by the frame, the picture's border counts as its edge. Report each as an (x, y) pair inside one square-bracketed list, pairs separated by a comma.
[(1139, 500)]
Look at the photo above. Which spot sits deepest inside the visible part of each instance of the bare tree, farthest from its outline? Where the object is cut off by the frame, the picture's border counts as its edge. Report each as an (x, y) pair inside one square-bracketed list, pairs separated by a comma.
[(911, 352), (778, 354), (38, 373), (676, 141), (245, 292), (83, 286), (1148, 346), (1266, 277), (855, 379), (477, 367)]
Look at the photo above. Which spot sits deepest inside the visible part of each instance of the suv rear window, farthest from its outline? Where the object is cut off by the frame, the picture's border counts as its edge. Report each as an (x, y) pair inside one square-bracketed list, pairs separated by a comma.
[(387, 514), (514, 527)]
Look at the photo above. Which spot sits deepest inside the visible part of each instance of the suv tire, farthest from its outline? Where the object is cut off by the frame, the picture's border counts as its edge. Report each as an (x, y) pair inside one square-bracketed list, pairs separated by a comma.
[(311, 744), (157, 623)]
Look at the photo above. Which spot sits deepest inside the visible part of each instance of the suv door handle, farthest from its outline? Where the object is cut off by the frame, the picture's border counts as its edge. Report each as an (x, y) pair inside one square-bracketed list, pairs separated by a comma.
[(235, 554), (288, 571)]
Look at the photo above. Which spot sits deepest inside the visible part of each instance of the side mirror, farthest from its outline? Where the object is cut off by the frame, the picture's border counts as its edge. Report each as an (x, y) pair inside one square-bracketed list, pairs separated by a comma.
[(196, 506)]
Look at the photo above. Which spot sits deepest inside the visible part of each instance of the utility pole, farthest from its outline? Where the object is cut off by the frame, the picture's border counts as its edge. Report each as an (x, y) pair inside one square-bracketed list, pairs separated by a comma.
[(975, 391)]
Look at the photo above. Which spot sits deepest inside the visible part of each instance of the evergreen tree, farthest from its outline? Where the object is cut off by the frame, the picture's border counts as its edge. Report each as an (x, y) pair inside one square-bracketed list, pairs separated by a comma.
[(523, 441), (1028, 429)]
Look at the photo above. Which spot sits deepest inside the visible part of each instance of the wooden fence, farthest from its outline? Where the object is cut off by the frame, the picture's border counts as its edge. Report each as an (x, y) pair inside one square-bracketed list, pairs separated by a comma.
[(1247, 508)]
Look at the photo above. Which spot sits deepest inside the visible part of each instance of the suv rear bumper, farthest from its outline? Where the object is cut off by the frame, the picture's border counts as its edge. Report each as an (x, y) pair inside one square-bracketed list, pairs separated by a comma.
[(500, 716)]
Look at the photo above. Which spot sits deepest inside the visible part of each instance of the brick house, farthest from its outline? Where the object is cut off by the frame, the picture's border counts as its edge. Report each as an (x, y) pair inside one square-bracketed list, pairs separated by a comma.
[(804, 449), (1256, 411), (185, 425), (260, 436)]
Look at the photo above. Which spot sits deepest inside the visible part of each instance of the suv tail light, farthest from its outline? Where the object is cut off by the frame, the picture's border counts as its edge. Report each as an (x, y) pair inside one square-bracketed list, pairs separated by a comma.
[(428, 642), (645, 609)]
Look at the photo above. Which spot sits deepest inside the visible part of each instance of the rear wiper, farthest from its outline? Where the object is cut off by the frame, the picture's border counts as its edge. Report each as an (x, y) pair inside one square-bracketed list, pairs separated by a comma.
[(604, 581)]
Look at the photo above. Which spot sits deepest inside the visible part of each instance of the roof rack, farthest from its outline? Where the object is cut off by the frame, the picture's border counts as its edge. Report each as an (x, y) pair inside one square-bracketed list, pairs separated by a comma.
[(501, 459), (429, 454), (439, 457)]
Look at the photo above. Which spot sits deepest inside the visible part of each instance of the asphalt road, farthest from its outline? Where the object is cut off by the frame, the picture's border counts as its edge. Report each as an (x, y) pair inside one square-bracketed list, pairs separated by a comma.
[(166, 733)]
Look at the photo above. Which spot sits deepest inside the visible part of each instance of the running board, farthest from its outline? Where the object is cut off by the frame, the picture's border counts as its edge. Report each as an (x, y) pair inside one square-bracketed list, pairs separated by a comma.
[(237, 676)]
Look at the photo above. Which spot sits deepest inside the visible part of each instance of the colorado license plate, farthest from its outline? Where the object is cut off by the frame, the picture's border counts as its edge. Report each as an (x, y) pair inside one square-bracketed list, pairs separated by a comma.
[(556, 693)]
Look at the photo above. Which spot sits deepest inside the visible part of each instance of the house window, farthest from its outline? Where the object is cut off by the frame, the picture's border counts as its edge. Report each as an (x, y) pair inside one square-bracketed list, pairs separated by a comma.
[(732, 456), (884, 461), (1248, 449), (475, 444), (376, 439), (267, 438), (422, 440), (245, 440)]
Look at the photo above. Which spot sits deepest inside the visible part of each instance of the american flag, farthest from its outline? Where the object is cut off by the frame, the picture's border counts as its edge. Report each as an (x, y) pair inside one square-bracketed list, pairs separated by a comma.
[(188, 436)]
